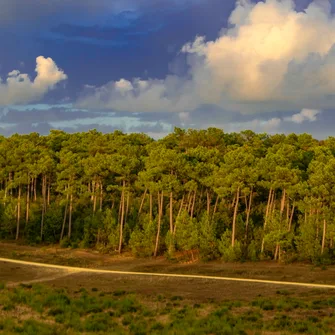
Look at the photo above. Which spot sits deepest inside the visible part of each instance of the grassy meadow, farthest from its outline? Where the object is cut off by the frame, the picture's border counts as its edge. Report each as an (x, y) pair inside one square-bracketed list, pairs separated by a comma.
[(43, 310)]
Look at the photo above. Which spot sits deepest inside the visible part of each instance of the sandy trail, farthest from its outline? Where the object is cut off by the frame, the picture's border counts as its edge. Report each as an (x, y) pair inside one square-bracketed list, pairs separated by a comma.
[(68, 270)]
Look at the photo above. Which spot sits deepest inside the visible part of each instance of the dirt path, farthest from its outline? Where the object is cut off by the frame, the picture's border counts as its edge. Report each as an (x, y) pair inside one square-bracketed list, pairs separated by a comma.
[(72, 270), (86, 258)]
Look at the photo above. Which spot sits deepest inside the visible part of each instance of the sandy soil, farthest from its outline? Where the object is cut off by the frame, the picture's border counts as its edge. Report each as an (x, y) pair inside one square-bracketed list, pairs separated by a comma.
[(192, 289)]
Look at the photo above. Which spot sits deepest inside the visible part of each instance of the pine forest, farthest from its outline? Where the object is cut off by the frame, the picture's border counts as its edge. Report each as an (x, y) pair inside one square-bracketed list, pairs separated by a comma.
[(204, 194)]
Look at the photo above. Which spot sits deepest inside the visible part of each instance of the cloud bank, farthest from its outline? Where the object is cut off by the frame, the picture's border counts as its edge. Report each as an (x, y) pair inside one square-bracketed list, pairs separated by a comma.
[(272, 125), (271, 58), (18, 88)]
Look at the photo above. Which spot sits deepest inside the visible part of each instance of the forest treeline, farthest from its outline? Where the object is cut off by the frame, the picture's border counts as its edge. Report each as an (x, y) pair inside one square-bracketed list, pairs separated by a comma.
[(206, 193)]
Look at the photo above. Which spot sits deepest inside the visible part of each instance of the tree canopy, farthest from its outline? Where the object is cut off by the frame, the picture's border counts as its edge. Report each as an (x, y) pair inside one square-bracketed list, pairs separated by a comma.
[(203, 193)]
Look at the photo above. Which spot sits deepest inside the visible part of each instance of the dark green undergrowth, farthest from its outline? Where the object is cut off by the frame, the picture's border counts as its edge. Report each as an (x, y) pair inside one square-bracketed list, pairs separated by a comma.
[(37, 309)]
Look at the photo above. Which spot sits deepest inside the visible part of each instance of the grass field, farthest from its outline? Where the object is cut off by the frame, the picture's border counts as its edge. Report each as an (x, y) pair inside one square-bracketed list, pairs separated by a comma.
[(39, 309), (51, 301)]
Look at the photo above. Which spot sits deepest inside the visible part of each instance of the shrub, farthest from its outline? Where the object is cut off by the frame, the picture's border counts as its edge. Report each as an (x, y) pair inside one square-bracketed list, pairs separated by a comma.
[(228, 252), (208, 243), (142, 241), (65, 242), (186, 235)]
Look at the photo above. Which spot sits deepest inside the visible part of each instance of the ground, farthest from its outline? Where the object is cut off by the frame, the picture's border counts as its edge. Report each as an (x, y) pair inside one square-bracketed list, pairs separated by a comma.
[(191, 290)]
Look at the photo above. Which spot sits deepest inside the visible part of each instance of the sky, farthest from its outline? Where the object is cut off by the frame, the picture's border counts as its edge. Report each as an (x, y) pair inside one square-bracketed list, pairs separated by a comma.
[(150, 65)]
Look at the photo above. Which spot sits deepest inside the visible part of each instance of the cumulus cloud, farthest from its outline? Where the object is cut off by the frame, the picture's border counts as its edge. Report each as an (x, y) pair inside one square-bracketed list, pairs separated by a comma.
[(18, 88), (305, 115), (271, 58)]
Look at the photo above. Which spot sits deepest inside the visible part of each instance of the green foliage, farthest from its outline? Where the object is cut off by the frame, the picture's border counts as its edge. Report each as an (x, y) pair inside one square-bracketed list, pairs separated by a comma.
[(170, 242), (228, 252), (274, 193), (308, 245), (142, 241), (65, 242), (186, 235), (42, 310), (7, 220), (253, 251), (208, 243), (52, 223), (276, 232)]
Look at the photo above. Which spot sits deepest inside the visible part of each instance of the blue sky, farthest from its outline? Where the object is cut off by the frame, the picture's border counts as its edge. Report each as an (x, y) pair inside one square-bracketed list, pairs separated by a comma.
[(150, 65)]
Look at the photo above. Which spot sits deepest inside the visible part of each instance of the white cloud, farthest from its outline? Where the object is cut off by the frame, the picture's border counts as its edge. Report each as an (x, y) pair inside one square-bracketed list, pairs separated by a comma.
[(273, 58), (18, 88), (274, 124), (256, 125), (305, 115), (124, 123), (123, 86)]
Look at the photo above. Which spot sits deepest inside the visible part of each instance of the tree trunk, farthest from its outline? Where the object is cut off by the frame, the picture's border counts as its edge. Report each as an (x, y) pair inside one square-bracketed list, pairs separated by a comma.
[(142, 201), (234, 218), (193, 204), (248, 214), (317, 223), (208, 203), (6, 190), (64, 220), (32, 188), (94, 197), (120, 208), (27, 202), (267, 213), (35, 195), (323, 236), (122, 215), (127, 207), (179, 212), (150, 205), (181, 207), (101, 196), (10, 178), (91, 190), (273, 203), (43, 205), (189, 201), (171, 212), (160, 212), (282, 205), (70, 216), (291, 218), (48, 196), (18, 214)]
